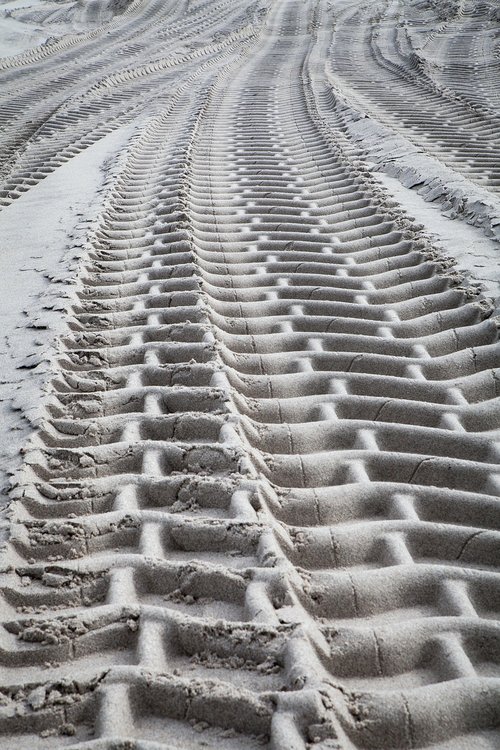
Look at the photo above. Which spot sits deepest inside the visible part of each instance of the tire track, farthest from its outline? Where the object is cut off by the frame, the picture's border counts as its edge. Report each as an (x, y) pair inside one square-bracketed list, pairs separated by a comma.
[(396, 96), (464, 136), (55, 118), (262, 508)]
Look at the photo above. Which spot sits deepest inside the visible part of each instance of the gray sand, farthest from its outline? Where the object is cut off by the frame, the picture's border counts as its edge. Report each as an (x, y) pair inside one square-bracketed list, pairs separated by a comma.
[(249, 439)]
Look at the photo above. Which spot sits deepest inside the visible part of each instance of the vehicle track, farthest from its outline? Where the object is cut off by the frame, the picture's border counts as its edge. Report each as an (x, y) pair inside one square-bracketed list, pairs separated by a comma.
[(463, 134), (262, 509), (59, 116), (426, 76)]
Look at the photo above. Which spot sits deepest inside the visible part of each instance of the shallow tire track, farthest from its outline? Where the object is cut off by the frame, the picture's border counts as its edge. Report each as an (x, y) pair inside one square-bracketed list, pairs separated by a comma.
[(388, 66)]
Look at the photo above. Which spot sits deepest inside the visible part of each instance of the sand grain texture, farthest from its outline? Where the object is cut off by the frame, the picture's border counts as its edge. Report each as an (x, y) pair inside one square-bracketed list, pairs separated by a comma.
[(257, 499)]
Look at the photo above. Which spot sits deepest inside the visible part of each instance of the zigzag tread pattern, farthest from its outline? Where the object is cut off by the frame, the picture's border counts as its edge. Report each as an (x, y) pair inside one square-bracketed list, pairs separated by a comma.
[(262, 508)]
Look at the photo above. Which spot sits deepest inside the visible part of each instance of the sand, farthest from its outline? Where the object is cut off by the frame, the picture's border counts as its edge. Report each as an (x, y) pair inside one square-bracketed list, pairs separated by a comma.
[(43, 234), (249, 440)]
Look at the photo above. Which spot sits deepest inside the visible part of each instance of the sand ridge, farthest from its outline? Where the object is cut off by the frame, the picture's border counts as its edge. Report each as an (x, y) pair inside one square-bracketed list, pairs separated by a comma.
[(261, 506)]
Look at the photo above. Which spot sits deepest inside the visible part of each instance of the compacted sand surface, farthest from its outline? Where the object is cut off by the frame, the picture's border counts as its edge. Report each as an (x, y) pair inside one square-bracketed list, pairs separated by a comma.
[(250, 375)]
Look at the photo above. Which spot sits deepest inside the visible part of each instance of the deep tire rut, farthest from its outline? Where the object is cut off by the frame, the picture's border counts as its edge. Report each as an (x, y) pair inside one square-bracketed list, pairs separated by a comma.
[(262, 508)]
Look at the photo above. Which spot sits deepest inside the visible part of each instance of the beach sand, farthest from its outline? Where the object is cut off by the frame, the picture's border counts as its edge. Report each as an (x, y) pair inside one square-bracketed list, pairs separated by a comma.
[(249, 394)]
